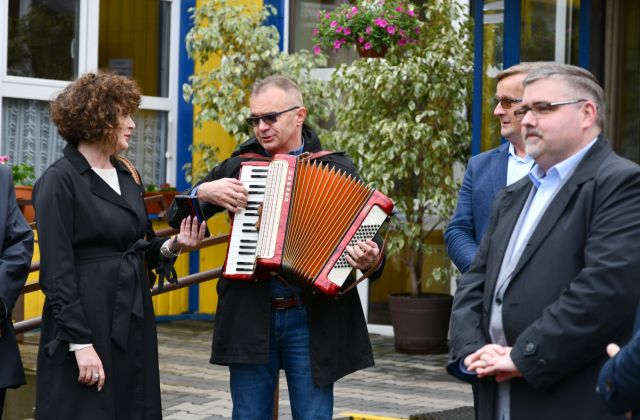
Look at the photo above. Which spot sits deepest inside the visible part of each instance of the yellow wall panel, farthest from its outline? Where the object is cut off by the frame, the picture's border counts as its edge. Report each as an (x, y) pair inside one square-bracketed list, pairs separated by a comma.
[(130, 30)]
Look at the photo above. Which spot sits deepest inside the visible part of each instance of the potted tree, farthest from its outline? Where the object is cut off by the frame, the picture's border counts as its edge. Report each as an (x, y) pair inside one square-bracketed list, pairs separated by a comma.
[(404, 120)]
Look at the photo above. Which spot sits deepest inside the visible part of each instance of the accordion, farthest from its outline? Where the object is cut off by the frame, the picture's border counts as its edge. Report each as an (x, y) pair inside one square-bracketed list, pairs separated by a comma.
[(300, 216)]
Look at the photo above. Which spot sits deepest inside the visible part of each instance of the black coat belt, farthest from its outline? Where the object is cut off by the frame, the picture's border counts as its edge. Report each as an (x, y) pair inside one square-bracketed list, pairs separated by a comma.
[(128, 298)]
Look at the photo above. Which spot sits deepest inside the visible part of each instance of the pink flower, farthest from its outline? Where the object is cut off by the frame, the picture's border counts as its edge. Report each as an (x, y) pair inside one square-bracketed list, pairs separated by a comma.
[(417, 30), (368, 46), (319, 14), (391, 29), (381, 22), (368, 30), (316, 49), (360, 40), (327, 15), (410, 13), (337, 44), (333, 24), (315, 31), (339, 29), (402, 42), (399, 9), (346, 31), (4, 159), (354, 10)]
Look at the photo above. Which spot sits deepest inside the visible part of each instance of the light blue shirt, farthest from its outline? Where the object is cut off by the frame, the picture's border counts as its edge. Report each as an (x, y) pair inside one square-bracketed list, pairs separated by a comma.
[(517, 167), (545, 188)]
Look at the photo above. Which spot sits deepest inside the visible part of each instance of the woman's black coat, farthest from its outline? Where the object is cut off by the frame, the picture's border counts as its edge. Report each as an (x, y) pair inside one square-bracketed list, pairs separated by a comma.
[(94, 245)]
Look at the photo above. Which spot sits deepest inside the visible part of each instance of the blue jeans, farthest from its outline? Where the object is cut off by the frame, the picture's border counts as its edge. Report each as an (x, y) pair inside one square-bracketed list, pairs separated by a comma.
[(253, 385)]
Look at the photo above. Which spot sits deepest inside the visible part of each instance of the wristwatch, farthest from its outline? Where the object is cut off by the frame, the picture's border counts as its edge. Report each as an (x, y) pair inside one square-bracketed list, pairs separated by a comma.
[(168, 251)]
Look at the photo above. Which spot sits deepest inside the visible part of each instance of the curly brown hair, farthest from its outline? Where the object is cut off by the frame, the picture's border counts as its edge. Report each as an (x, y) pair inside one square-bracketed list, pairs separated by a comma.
[(87, 110)]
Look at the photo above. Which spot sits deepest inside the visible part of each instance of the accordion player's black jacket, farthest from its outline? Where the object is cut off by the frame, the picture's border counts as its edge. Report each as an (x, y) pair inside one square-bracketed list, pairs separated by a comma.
[(339, 341)]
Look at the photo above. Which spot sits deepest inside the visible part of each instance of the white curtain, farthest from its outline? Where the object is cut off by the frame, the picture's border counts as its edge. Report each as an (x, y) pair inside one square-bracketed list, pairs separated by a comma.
[(29, 136)]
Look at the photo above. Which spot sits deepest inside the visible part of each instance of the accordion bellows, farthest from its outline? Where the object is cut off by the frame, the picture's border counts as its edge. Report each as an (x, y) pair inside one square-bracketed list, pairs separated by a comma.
[(301, 216)]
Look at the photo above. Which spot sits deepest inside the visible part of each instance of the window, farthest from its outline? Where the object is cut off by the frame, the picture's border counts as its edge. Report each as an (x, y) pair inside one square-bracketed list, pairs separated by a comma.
[(42, 39), (50, 42), (302, 18)]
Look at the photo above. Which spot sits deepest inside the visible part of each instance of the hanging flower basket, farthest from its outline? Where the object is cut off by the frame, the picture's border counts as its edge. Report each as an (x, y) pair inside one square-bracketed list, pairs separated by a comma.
[(371, 53), (372, 26)]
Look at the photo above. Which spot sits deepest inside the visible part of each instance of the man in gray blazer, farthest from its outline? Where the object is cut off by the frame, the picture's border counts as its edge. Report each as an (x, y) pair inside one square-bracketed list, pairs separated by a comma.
[(16, 243), (489, 171), (555, 277)]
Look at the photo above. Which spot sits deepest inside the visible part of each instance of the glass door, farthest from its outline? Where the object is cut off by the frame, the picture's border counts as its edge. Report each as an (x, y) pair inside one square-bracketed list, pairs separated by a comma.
[(622, 77)]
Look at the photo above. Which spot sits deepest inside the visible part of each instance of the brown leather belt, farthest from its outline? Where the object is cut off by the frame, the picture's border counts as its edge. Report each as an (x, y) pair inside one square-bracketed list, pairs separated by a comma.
[(286, 302)]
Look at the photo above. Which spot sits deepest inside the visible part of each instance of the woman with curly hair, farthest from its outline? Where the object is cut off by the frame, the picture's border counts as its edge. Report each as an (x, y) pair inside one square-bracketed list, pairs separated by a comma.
[(98, 355)]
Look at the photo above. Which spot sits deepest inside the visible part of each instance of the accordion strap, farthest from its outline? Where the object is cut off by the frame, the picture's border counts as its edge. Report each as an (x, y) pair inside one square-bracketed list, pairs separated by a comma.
[(305, 155)]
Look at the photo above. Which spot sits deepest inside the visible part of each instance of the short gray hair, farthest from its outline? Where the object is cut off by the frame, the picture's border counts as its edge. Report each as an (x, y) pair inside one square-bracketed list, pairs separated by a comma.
[(282, 82), (524, 67), (580, 80)]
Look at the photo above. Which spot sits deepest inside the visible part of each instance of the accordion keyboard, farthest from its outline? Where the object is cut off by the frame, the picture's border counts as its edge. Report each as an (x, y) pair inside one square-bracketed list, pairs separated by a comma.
[(272, 208), (241, 257), (367, 230)]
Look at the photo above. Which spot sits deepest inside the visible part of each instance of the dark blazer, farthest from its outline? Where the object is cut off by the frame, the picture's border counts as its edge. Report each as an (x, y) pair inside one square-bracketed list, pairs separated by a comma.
[(486, 174), (573, 290), (619, 380), (16, 243)]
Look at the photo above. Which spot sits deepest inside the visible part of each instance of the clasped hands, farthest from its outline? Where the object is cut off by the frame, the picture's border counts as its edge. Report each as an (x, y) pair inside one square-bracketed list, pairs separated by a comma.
[(492, 360)]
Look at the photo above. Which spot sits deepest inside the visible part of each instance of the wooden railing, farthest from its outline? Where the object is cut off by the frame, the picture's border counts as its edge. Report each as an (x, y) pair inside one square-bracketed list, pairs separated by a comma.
[(191, 279)]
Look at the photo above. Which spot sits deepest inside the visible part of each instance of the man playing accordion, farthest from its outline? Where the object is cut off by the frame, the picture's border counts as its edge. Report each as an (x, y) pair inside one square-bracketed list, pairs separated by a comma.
[(267, 325)]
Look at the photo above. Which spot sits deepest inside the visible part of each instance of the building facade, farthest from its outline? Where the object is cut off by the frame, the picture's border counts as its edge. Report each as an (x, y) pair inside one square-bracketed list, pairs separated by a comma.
[(46, 43)]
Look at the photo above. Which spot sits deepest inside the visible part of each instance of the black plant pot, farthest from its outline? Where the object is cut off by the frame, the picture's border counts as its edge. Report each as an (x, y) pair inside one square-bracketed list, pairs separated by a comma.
[(421, 324)]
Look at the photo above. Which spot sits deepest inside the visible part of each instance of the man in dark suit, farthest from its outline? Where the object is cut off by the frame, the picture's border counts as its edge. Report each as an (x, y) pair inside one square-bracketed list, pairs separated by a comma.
[(619, 380), (16, 242), (489, 171), (555, 277)]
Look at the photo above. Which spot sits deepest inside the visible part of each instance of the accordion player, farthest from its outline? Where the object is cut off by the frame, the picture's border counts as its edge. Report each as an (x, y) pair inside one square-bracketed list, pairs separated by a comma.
[(300, 217)]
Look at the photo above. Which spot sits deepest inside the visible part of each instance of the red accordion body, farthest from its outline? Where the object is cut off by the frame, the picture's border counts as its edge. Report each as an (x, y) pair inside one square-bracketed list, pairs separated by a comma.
[(300, 217)]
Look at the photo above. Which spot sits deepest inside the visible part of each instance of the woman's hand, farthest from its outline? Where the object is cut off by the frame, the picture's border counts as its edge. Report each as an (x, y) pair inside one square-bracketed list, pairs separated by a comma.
[(190, 236), (90, 367)]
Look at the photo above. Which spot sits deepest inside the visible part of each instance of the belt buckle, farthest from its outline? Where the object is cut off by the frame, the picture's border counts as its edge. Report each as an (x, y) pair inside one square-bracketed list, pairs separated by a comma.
[(281, 303)]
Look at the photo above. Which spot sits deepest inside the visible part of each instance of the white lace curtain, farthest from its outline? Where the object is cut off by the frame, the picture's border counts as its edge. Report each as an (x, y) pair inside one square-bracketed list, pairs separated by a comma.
[(29, 136)]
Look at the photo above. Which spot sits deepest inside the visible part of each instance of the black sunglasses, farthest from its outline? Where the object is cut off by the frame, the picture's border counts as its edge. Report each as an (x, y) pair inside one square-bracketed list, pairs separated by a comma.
[(506, 102), (270, 118)]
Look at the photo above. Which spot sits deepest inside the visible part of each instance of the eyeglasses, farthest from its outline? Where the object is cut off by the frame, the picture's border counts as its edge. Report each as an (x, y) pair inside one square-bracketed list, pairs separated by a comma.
[(544, 108), (506, 102), (270, 118)]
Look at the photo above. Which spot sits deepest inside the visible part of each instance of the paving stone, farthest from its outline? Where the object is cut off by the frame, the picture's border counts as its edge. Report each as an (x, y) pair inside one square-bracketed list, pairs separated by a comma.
[(398, 386)]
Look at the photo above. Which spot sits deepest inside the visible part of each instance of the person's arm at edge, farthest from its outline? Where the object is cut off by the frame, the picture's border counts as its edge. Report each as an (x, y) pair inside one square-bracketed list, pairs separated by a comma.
[(15, 258), (459, 235)]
